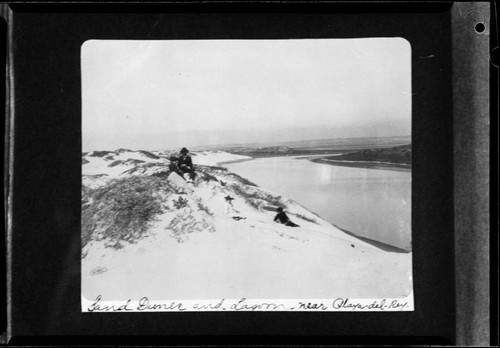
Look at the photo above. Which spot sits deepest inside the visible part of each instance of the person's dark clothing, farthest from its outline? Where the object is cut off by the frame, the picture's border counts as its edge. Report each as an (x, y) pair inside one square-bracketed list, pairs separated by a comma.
[(185, 164), (284, 219), (281, 217), (173, 168)]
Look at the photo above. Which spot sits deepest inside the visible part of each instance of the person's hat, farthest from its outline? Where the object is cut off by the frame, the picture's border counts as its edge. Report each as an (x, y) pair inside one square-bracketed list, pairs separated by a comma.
[(184, 150), (279, 210), (173, 158)]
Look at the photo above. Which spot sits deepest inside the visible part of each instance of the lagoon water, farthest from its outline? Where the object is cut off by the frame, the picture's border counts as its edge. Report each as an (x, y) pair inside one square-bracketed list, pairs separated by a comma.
[(372, 203)]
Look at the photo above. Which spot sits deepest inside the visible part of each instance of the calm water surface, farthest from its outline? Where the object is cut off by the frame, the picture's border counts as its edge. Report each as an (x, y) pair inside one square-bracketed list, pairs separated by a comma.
[(371, 203)]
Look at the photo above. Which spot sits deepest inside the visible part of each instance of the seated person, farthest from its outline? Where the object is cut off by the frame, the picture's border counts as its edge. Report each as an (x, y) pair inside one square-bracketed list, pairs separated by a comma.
[(185, 164), (281, 217)]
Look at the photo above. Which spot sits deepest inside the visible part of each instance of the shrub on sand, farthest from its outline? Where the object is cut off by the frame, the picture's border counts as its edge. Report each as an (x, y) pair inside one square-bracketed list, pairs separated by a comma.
[(122, 211)]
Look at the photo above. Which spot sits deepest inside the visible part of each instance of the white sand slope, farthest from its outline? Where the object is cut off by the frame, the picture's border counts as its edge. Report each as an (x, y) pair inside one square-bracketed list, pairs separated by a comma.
[(209, 248)]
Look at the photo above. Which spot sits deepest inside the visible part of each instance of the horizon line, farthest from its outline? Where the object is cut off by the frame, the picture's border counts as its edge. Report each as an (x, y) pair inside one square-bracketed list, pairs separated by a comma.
[(257, 143)]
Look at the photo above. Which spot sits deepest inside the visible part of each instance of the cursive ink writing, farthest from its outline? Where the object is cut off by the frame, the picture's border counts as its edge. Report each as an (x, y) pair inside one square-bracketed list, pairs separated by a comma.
[(345, 303), (97, 307), (397, 304), (310, 305), (144, 304), (210, 305), (244, 304), (261, 306)]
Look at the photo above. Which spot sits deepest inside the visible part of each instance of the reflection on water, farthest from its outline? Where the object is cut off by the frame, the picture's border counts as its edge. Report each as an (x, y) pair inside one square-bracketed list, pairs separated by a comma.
[(372, 203)]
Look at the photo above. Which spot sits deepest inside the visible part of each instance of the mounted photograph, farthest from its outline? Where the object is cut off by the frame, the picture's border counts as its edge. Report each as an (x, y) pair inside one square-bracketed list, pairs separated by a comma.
[(246, 175)]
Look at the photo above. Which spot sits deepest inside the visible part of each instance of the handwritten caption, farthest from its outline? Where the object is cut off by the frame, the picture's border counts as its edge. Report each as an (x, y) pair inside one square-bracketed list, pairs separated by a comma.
[(144, 304)]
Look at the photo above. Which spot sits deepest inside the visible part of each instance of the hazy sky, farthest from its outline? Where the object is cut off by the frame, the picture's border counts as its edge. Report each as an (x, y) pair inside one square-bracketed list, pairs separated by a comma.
[(156, 95)]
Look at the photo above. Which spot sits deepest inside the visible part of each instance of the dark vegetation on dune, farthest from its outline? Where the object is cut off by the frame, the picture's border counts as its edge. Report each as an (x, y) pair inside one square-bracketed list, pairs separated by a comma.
[(129, 161), (124, 209), (208, 173), (120, 150), (101, 153), (149, 154), (121, 211)]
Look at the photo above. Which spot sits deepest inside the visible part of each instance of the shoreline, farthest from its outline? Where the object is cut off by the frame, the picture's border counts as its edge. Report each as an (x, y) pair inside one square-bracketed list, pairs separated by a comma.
[(313, 157), (364, 164), (376, 243), (235, 161)]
